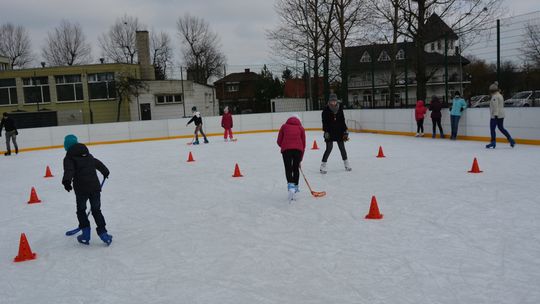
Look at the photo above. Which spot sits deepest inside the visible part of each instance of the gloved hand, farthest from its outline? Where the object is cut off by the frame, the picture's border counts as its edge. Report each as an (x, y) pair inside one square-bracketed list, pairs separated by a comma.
[(496, 117), (346, 136), (326, 135), (68, 187)]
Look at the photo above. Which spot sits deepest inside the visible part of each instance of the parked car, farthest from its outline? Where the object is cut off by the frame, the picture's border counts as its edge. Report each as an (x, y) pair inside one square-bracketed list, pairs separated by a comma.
[(480, 101), (524, 99)]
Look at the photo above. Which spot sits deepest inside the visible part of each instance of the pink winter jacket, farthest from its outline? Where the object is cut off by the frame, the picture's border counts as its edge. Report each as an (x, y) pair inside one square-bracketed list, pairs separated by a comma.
[(292, 136), (420, 110)]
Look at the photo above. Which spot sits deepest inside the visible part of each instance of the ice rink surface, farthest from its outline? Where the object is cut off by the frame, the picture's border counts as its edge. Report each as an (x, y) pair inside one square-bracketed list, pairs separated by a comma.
[(190, 233)]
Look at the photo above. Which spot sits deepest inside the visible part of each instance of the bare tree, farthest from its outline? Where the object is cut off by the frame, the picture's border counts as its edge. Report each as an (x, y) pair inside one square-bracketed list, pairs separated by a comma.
[(531, 49), (162, 53), (66, 45), (15, 44), (200, 48), (118, 44), (468, 16)]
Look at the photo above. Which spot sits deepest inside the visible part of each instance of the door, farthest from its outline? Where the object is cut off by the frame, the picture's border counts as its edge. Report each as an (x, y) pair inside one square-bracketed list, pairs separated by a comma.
[(146, 113)]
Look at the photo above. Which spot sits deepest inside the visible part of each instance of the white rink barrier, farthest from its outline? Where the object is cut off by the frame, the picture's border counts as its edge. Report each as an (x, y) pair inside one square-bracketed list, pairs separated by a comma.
[(522, 123)]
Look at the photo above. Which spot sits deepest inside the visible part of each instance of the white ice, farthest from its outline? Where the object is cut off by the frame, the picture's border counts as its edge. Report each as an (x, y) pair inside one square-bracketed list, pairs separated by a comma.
[(190, 233)]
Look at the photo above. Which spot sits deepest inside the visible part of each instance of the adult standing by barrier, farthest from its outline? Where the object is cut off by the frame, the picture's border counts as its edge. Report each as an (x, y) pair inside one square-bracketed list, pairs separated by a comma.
[(458, 106), (496, 108), (335, 129), (11, 133), (435, 107)]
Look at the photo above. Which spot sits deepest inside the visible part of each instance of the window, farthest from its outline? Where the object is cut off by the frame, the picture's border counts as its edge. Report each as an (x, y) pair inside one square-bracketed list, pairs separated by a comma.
[(400, 55), (69, 87), (384, 56), (8, 91), (439, 46), (101, 86), (168, 99), (36, 90), (233, 87), (365, 57)]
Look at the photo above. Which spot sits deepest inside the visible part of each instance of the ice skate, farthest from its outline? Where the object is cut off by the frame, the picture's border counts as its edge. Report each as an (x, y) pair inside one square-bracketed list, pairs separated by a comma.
[(347, 165), (323, 168)]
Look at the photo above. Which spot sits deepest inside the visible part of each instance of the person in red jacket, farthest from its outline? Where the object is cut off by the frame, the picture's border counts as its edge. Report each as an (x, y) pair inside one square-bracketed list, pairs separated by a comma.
[(292, 141), (227, 124), (419, 113)]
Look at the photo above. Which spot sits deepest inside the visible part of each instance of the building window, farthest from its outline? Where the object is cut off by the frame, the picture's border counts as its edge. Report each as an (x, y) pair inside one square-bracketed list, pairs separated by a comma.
[(101, 86), (439, 45), (36, 90), (168, 99), (233, 87), (69, 87), (8, 91), (365, 57), (384, 56), (400, 55)]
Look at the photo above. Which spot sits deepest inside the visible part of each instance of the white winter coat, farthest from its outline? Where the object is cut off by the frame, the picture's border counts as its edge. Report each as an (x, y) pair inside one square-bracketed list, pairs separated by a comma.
[(496, 105)]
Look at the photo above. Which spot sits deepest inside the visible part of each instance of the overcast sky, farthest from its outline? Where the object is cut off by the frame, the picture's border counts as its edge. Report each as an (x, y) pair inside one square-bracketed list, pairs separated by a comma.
[(241, 24)]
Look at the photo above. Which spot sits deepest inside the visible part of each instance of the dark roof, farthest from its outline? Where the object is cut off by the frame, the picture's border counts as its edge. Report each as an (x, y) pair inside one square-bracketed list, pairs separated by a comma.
[(436, 29), (354, 54), (238, 77)]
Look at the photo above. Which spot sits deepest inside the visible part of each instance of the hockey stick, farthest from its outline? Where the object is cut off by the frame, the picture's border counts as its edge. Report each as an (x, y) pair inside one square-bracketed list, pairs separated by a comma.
[(314, 193), (76, 230)]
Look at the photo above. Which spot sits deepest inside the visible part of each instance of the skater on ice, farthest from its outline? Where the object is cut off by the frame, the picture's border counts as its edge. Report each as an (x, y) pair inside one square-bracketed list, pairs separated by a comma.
[(197, 119), (292, 141), (419, 113), (458, 106), (80, 169), (335, 130), (496, 108), (435, 108), (11, 133), (227, 124)]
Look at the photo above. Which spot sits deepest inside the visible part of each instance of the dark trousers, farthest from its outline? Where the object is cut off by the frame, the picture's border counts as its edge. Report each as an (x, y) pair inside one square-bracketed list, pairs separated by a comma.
[(420, 126), (11, 135), (291, 160), (95, 207), (197, 130), (454, 122), (330, 146), (437, 122), (498, 123)]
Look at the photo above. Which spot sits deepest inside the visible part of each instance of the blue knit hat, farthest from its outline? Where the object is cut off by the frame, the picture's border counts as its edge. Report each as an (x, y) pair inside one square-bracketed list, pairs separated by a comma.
[(69, 141)]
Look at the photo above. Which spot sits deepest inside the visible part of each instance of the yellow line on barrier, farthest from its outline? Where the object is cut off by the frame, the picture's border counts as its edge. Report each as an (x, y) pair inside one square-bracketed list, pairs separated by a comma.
[(462, 137)]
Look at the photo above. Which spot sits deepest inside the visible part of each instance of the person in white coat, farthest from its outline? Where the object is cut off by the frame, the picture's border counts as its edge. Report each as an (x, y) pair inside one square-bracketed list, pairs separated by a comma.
[(496, 108)]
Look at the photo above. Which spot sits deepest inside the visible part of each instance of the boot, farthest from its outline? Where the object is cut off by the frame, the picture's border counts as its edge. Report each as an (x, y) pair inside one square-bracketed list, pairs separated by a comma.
[(323, 168), (512, 142), (84, 238), (433, 136), (107, 238), (205, 140), (8, 153), (491, 145), (347, 166), (296, 189), (291, 190), (442, 135), (417, 135), (196, 142)]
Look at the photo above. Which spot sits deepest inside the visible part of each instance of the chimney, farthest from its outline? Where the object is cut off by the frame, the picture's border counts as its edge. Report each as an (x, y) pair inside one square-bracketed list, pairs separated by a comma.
[(43, 64), (246, 70), (102, 60), (143, 54)]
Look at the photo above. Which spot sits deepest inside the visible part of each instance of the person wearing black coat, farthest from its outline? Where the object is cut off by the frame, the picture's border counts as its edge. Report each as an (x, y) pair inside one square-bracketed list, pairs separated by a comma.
[(335, 130), (80, 168), (435, 107), (11, 133)]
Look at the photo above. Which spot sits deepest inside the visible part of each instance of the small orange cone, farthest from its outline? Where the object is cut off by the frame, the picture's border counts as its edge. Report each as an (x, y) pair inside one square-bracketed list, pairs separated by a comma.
[(25, 253), (374, 213), (315, 147), (190, 158), (381, 154), (475, 168), (237, 171), (33, 197), (48, 172)]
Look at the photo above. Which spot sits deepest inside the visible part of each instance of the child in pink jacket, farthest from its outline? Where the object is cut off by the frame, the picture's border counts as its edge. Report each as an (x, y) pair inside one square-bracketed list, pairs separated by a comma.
[(292, 141), (419, 113), (227, 124)]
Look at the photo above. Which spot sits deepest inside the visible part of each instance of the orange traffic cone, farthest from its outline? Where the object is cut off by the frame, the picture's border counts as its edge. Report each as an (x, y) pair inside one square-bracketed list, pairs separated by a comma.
[(381, 154), (237, 171), (475, 168), (374, 213), (25, 253), (48, 172), (33, 197), (190, 158), (315, 147)]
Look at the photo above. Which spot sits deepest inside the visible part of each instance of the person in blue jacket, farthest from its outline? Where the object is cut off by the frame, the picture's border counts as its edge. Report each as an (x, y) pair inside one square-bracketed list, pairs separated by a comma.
[(458, 106)]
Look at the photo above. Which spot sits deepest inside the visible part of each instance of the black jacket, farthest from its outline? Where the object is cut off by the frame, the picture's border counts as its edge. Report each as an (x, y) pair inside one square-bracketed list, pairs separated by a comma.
[(196, 118), (80, 167), (9, 123), (334, 124)]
